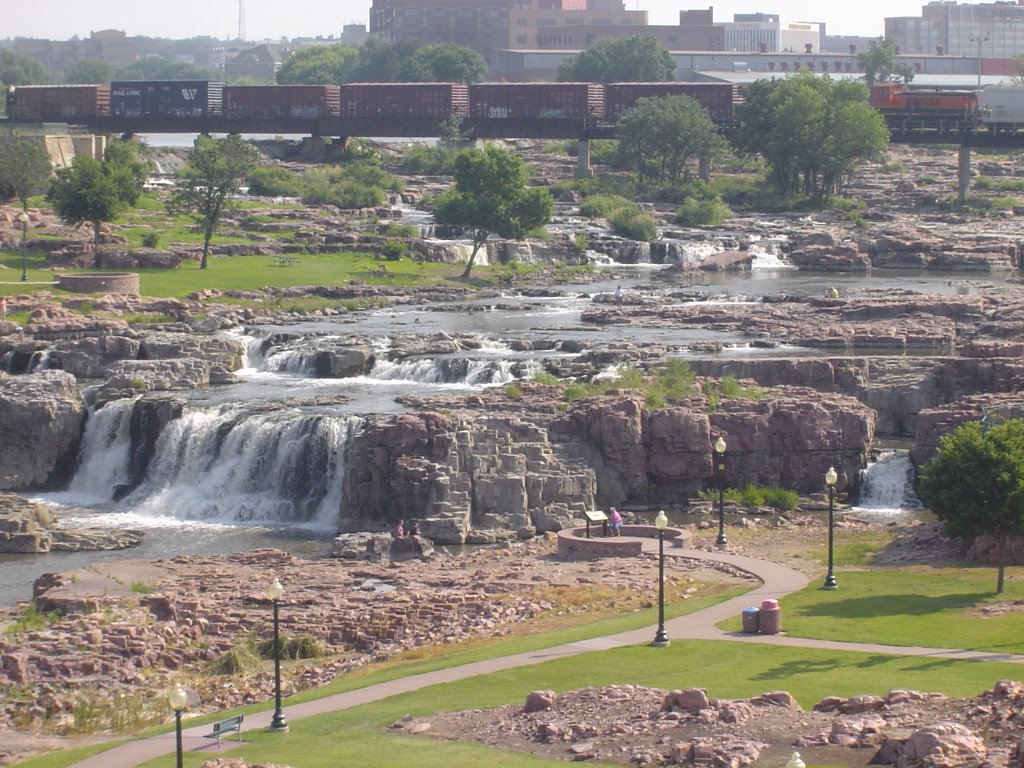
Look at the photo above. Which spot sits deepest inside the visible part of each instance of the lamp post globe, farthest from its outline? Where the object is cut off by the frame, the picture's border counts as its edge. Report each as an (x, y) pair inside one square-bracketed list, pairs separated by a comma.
[(830, 480), (661, 636), (720, 447), (278, 724), (178, 698), (23, 220)]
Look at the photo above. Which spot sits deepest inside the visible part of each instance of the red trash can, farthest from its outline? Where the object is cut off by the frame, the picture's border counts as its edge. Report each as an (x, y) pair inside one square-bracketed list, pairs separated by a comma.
[(770, 618)]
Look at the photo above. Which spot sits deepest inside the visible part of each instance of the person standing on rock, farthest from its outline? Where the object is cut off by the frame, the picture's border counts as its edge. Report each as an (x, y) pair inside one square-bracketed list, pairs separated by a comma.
[(618, 295), (3, 308), (400, 529), (616, 521)]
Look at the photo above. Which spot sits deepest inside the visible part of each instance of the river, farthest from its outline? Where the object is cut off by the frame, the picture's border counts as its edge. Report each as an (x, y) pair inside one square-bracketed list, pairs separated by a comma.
[(231, 476)]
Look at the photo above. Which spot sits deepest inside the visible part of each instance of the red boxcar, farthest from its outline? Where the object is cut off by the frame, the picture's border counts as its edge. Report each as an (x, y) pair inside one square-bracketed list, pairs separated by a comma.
[(719, 99), (544, 100), (295, 101), (57, 103), (435, 101)]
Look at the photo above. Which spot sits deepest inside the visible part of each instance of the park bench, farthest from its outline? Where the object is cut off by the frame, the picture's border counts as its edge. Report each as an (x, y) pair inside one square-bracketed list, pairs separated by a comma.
[(226, 726), (280, 260)]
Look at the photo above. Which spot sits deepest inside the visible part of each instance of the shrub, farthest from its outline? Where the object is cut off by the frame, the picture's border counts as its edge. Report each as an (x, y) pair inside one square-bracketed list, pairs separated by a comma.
[(274, 181), (241, 659), (394, 250), (702, 213), (781, 499), (545, 378), (603, 206), (634, 224), (150, 239), (513, 391), (301, 647)]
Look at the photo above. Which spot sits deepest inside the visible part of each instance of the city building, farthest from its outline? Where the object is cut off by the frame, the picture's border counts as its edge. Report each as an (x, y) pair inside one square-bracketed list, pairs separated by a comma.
[(980, 30), (259, 64), (109, 45)]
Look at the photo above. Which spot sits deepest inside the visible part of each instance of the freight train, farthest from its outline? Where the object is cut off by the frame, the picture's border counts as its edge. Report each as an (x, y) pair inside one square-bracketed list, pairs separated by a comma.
[(997, 109), (177, 99)]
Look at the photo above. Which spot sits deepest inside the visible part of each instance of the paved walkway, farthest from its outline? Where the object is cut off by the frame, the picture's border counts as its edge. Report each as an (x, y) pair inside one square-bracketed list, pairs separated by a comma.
[(777, 581)]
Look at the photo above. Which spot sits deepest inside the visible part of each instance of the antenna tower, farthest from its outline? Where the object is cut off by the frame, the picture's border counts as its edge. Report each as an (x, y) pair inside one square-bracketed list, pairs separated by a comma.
[(241, 19)]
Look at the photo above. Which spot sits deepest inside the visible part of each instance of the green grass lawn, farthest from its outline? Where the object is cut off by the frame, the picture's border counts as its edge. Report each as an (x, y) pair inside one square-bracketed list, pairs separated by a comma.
[(929, 607)]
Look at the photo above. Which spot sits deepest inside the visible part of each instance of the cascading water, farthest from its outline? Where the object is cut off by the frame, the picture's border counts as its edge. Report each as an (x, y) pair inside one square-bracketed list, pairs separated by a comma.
[(887, 486), (104, 457), (230, 466)]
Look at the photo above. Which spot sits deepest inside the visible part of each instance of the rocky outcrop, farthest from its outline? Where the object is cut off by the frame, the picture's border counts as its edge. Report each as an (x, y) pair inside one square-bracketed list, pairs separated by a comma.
[(933, 423), (30, 528), (41, 418), (909, 247), (128, 378)]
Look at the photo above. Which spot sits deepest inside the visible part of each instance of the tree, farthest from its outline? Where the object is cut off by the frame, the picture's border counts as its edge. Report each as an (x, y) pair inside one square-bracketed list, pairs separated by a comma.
[(975, 486), (879, 63), (84, 194), (216, 170), (618, 60), (88, 73), (384, 62), (445, 63), (24, 169), (662, 135), (332, 64), (20, 70), (490, 197), (159, 68), (811, 131)]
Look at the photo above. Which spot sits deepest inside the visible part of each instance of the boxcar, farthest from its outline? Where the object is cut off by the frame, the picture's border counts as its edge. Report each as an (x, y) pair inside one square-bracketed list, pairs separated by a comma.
[(57, 103), (166, 98), (719, 99), (435, 101), (1002, 107), (543, 100), (307, 102)]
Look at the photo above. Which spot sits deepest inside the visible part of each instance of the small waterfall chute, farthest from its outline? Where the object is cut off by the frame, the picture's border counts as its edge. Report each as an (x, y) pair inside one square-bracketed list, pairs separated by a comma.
[(103, 463), (887, 488)]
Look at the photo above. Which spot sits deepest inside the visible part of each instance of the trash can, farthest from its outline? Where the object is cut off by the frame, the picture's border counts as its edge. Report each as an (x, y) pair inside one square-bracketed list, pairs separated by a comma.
[(751, 620), (770, 618)]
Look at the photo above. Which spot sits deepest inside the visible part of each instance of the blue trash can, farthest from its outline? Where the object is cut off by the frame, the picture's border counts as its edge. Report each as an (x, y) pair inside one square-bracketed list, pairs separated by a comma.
[(751, 620)]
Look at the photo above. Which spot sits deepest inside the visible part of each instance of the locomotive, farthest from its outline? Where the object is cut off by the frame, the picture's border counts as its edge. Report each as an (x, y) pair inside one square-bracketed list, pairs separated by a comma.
[(996, 108)]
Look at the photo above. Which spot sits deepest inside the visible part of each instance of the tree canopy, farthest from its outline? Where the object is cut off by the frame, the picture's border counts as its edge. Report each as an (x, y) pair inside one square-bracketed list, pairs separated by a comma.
[(158, 68), (879, 63), (490, 197), (975, 486), (215, 171), (662, 135), (88, 72), (445, 63), (618, 60), (320, 65), (25, 169), (811, 131), (93, 191), (20, 70)]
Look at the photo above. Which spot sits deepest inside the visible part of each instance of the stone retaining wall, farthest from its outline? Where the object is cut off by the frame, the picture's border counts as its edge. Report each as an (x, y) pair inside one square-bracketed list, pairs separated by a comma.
[(100, 282), (573, 543)]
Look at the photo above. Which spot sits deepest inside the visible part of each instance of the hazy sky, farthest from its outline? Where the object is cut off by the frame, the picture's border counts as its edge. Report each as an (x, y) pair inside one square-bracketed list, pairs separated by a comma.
[(273, 19)]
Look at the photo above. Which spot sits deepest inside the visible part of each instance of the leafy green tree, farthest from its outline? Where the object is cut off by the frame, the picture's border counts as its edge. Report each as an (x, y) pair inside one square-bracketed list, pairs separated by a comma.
[(663, 135), (330, 64), (879, 65), (123, 163), (158, 68), (811, 131), (215, 172), (20, 70), (445, 63), (25, 169), (490, 197), (618, 60), (975, 485), (85, 194), (89, 73), (383, 62)]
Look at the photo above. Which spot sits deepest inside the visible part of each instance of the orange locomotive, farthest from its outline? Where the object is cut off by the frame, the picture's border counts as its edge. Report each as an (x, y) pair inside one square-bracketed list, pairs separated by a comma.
[(902, 106)]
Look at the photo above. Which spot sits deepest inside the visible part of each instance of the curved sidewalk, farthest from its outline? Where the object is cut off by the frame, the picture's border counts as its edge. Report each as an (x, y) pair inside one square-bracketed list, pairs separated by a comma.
[(777, 581)]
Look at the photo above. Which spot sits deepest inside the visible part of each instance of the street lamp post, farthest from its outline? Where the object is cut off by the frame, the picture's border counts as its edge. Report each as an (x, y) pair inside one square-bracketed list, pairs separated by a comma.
[(179, 699), (830, 481), (277, 724), (979, 40), (23, 218), (661, 636), (720, 467)]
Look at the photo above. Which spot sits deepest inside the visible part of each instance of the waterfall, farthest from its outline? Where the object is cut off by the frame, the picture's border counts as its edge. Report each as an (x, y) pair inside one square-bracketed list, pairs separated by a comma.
[(887, 485), (227, 465), (104, 455)]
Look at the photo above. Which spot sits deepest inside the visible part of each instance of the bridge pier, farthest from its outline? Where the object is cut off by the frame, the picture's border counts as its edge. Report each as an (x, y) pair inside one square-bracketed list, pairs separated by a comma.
[(583, 169), (963, 175)]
